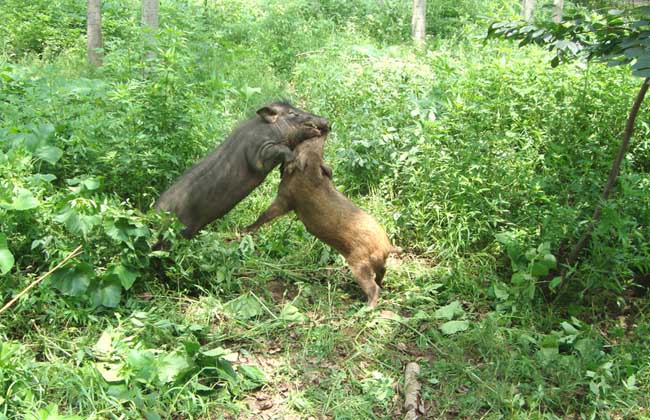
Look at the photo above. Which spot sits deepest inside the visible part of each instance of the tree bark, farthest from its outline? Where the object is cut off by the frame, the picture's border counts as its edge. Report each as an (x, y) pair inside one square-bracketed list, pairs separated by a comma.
[(613, 174), (558, 7), (418, 22), (527, 9), (94, 32), (150, 24)]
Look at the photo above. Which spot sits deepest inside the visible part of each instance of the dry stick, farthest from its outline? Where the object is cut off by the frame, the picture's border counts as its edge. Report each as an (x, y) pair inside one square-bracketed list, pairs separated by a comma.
[(611, 180), (40, 279), (411, 391)]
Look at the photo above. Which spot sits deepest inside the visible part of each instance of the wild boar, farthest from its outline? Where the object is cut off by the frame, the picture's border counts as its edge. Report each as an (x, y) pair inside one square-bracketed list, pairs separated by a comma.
[(213, 186), (307, 189)]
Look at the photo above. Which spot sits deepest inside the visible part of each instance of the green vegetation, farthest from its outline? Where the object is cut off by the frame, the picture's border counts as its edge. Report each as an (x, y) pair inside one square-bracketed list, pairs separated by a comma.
[(481, 161)]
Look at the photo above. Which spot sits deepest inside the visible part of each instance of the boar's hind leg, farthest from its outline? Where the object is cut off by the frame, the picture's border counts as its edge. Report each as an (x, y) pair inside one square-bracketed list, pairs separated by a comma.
[(278, 207), (379, 267), (365, 276)]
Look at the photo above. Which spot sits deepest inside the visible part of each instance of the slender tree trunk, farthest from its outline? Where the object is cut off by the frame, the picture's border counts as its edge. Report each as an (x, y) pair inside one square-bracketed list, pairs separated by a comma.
[(613, 174), (527, 9), (418, 23), (558, 7), (150, 24), (94, 32)]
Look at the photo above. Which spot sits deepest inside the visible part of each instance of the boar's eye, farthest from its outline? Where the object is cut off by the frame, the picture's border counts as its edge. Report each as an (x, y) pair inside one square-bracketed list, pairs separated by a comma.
[(291, 112)]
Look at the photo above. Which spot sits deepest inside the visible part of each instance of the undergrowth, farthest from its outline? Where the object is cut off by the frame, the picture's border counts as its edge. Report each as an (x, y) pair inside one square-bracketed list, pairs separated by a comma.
[(480, 160)]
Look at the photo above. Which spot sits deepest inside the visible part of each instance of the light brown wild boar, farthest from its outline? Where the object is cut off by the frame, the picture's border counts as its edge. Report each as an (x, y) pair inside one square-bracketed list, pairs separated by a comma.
[(307, 189)]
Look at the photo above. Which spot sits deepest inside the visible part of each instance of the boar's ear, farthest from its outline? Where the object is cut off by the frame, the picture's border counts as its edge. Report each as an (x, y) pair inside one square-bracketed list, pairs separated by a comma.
[(268, 114)]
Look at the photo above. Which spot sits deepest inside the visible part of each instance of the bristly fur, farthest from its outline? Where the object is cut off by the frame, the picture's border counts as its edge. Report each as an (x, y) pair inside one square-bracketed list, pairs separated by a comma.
[(331, 217)]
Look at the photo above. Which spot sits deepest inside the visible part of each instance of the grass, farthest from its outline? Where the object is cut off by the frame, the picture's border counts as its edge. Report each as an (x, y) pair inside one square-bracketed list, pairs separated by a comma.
[(446, 147)]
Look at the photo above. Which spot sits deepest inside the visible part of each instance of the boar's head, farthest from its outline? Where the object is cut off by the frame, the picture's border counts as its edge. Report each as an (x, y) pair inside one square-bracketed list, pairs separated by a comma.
[(293, 124)]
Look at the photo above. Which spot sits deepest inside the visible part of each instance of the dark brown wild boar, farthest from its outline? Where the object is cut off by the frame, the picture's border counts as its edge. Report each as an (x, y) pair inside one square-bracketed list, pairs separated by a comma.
[(213, 186), (307, 189)]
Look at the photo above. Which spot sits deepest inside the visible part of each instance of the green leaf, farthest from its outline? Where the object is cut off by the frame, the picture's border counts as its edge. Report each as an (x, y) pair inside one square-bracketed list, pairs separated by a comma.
[(543, 266), (641, 73), (50, 154), (142, 363), (106, 293), (225, 369), (51, 412), (500, 291), (450, 311), (171, 367), (555, 282), (291, 313), (24, 200), (126, 275), (42, 178), (73, 280), (91, 183), (549, 347), (6, 257), (77, 223), (453, 327), (252, 375), (539, 269), (244, 307), (151, 415), (521, 279), (122, 230), (568, 328), (216, 352)]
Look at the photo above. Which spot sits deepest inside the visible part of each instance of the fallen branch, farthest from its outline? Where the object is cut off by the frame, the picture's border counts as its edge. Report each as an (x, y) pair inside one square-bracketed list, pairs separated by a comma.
[(412, 392), (73, 254)]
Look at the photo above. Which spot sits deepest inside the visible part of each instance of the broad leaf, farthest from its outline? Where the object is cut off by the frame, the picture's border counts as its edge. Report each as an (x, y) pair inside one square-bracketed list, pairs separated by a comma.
[(252, 377), (225, 369), (73, 280), (453, 327), (549, 347), (291, 313), (75, 222), (111, 372), (6, 257), (106, 293), (244, 307), (24, 200), (253, 373), (171, 367), (50, 154), (450, 311), (143, 364), (125, 275)]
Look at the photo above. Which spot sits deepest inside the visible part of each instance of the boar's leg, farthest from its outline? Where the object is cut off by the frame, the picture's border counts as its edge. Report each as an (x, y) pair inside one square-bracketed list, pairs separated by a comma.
[(271, 155), (379, 266), (326, 170), (365, 276), (278, 207)]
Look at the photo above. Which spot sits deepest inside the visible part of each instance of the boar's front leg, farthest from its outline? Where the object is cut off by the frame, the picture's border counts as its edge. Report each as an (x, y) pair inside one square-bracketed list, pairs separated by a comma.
[(278, 207), (271, 155)]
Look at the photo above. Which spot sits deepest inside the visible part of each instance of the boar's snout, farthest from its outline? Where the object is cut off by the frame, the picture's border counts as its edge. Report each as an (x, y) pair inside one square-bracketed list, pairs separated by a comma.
[(323, 125), (315, 127)]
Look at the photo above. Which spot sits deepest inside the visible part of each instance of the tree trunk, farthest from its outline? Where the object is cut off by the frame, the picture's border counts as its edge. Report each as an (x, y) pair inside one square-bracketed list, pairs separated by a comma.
[(527, 9), (558, 7), (613, 174), (94, 32), (150, 25), (418, 23)]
